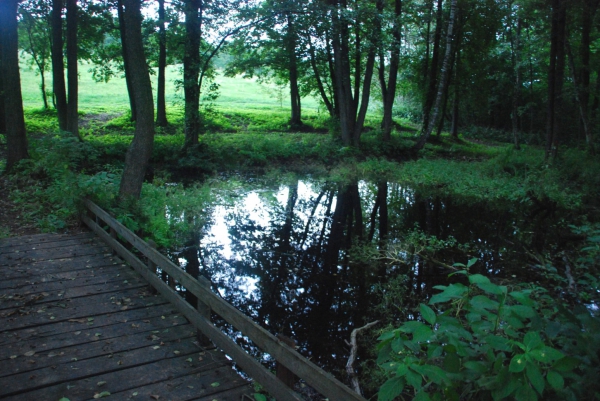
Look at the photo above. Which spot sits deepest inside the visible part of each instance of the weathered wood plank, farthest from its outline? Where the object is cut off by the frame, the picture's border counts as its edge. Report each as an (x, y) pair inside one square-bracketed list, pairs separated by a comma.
[(42, 293), (34, 246), (97, 345), (58, 268), (42, 238), (21, 258), (124, 379), (130, 316), (215, 384), (158, 318), (74, 309), (60, 373)]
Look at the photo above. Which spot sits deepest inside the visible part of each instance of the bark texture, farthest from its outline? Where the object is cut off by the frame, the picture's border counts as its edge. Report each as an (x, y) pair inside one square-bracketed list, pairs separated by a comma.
[(16, 136), (444, 75), (58, 65), (161, 107), (140, 150), (191, 72), (72, 105), (126, 62)]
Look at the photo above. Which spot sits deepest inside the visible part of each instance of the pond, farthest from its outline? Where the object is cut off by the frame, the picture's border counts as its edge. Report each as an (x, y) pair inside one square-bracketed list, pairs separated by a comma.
[(313, 260)]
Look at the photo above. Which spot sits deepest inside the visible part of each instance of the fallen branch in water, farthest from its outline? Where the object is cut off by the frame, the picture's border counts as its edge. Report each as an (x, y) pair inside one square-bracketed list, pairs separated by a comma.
[(352, 357)]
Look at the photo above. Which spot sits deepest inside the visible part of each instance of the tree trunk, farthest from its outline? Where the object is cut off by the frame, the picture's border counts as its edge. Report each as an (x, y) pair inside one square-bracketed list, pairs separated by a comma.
[(556, 74), (319, 81), (16, 136), (72, 105), (388, 91), (433, 69), (140, 150), (296, 117), (588, 11), (589, 139), (161, 107), (442, 82), (58, 66), (2, 109), (515, 42), (126, 63), (456, 100), (191, 72)]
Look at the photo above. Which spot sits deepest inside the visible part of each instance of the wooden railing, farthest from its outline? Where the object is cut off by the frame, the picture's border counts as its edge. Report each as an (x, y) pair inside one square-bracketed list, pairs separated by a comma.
[(209, 302)]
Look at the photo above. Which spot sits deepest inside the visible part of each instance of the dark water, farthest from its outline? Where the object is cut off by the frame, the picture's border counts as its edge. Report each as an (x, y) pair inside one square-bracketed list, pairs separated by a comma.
[(308, 259)]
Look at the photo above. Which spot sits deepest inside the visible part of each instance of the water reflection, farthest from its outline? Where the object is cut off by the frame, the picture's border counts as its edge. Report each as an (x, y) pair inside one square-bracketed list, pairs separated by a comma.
[(301, 259)]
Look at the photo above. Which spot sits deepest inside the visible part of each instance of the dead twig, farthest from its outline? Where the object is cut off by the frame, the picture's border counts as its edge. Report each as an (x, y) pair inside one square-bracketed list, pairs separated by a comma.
[(352, 357)]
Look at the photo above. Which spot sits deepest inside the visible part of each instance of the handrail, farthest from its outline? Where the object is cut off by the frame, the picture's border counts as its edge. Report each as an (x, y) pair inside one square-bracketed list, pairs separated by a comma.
[(316, 377)]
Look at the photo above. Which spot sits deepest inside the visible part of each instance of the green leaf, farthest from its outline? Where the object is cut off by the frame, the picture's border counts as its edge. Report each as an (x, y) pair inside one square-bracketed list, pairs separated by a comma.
[(532, 340), (433, 373), (555, 379), (64, 399), (452, 363), (402, 370), (491, 288), (391, 389), (101, 395), (521, 297), (498, 343), (397, 345), (517, 363), (451, 292), (259, 397), (479, 367), (471, 262), (478, 279), (414, 379), (422, 396), (428, 314), (535, 377), (422, 334), (525, 393), (481, 301), (411, 327), (546, 354), (524, 312), (387, 335), (566, 364)]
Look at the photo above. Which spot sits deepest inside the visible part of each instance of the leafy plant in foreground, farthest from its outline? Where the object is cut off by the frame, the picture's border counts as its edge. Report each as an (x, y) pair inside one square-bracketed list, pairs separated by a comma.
[(492, 342)]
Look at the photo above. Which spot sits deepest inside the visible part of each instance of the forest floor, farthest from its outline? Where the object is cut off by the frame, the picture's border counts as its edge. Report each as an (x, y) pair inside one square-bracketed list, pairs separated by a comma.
[(11, 224)]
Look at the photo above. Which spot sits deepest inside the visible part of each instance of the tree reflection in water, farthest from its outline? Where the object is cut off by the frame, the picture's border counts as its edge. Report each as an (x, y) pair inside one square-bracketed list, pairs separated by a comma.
[(301, 259)]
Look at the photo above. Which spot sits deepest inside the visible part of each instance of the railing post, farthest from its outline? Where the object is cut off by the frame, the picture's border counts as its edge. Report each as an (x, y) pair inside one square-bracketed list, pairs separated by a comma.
[(113, 234), (204, 310), (151, 265)]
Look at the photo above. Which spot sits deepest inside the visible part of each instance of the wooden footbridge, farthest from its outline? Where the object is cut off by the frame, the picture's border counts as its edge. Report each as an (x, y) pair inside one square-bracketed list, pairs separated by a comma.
[(78, 321)]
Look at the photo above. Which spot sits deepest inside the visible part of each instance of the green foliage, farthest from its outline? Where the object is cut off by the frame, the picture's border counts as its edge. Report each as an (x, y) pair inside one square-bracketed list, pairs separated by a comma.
[(489, 341)]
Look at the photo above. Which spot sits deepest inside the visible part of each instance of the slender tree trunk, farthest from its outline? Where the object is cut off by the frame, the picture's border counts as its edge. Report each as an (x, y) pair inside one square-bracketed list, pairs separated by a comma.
[(556, 76), (456, 100), (2, 108), (58, 66), (320, 86), (582, 113), (389, 90), (588, 12), (191, 72), (16, 135), (427, 44), (140, 150), (72, 105), (515, 43), (442, 82), (433, 69), (161, 107), (296, 118), (126, 62)]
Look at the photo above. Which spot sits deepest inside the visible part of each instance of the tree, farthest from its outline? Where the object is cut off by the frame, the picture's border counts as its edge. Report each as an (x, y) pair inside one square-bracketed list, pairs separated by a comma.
[(556, 73), (388, 90), (191, 71), (161, 113), (67, 110), (353, 77), (140, 150), (16, 136), (126, 66), (444, 75), (35, 38)]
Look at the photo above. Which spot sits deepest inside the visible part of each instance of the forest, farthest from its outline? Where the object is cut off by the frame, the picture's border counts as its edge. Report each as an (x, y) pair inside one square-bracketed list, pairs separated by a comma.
[(421, 172)]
